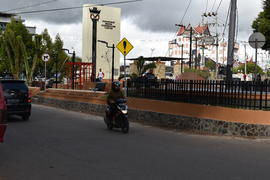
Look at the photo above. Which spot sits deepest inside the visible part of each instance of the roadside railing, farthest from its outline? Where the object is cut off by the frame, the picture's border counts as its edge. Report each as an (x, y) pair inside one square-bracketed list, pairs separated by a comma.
[(236, 94)]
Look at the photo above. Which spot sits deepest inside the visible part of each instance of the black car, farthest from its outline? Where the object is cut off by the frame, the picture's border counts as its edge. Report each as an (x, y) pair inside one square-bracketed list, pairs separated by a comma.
[(17, 97)]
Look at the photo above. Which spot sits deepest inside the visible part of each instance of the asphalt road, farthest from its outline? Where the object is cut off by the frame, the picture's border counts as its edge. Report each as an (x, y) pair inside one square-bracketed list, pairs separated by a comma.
[(56, 144)]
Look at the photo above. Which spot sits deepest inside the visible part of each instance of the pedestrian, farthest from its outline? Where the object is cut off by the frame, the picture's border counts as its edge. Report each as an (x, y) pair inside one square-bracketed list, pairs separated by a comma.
[(245, 77), (259, 78), (100, 75)]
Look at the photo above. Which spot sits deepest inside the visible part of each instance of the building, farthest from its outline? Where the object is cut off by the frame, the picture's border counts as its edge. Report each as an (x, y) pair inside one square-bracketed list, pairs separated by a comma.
[(5, 18), (206, 45), (108, 29)]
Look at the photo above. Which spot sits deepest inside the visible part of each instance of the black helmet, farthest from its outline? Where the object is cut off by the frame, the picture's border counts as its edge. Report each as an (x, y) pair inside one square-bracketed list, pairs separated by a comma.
[(116, 86)]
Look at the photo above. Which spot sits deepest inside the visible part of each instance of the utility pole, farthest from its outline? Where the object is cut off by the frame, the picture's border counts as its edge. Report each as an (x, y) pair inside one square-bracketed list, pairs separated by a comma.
[(223, 51), (190, 47), (217, 44), (245, 45), (203, 56), (196, 54), (73, 69), (56, 71), (182, 57), (231, 39), (216, 41)]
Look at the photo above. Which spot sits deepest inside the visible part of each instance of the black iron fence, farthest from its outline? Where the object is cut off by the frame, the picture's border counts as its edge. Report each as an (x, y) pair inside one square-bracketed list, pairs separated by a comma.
[(237, 94)]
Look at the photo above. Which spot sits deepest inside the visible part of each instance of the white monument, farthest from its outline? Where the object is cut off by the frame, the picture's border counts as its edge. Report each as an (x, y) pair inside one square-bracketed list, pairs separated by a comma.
[(108, 29)]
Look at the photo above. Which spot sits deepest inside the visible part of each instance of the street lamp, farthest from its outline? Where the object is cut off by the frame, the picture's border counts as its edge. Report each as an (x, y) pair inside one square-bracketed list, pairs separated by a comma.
[(94, 15), (113, 47), (182, 52), (73, 64)]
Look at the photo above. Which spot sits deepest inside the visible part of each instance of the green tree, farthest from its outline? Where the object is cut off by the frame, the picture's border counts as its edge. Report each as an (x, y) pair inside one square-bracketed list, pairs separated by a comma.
[(142, 67), (32, 61), (58, 56), (262, 23), (20, 50), (13, 52), (250, 68), (211, 65), (45, 48), (16, 44)]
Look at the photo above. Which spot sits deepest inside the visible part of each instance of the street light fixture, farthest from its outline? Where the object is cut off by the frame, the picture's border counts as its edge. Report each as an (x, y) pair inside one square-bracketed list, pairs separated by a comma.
[(113, 47), (73, 64), (182, 52), (94, 15)]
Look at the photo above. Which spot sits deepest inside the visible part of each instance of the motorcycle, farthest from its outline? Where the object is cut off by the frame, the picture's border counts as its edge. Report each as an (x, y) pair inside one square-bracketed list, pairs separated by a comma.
[(120, 118)]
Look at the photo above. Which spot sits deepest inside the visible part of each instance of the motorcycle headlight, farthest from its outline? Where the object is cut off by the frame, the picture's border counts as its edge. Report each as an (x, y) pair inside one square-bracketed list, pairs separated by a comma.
[(124, 111)]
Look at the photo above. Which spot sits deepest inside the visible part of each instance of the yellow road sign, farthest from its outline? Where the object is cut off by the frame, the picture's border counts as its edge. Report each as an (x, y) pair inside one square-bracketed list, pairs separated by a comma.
[(124, 46)]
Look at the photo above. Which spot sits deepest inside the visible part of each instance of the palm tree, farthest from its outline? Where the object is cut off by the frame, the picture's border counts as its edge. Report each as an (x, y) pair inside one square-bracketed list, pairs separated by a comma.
[(14, 52), (31, 62), (142, 67)]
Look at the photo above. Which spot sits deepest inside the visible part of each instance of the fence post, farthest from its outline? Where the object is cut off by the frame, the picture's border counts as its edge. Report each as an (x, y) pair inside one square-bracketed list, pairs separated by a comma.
[(166, 88), (261, 91), (128, 81), (190, 90), (266, 93)]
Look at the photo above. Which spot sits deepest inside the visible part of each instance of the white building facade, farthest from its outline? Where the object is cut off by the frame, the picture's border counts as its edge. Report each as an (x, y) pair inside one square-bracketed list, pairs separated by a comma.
[(207, 51), (108, 29), (5, 18)]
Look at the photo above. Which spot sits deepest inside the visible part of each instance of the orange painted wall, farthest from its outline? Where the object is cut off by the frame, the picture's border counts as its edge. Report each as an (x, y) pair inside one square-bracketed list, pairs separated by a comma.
[(175, 108), (202, 111)]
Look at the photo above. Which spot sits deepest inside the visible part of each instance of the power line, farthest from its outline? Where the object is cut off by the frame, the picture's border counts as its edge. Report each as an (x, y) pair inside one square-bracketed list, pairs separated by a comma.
[(213, 5), (185, 12), (33, 5), (219, 5), (183, 16), (221, 21), (228, 12), (206, 6), (237, 23), (76, 7)]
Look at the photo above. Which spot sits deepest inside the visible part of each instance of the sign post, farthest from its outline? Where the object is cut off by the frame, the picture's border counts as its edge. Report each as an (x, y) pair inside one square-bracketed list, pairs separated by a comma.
[(256, 40), (45, 58), (124, 46)]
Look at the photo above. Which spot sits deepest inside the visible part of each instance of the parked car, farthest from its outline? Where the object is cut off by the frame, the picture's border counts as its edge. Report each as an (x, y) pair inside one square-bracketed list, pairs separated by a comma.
[(3, 115), (17, 97), (169, 75)]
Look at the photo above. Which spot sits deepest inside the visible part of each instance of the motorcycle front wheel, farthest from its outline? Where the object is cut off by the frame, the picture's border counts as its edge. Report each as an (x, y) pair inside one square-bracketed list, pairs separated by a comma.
[(108, 123), (125, 126)]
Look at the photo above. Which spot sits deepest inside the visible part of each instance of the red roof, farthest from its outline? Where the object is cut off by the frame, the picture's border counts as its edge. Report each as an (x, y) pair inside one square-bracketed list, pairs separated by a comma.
[(181, 31), (198, 30), (201, 29)]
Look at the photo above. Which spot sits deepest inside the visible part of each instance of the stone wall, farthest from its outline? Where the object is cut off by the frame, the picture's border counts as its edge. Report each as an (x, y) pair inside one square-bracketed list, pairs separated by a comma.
[(177, 69), (160, 69), (133, 68), (184, 123)]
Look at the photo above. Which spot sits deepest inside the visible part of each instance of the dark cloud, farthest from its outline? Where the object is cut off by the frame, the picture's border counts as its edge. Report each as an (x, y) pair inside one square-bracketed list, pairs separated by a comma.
[(151, 15)]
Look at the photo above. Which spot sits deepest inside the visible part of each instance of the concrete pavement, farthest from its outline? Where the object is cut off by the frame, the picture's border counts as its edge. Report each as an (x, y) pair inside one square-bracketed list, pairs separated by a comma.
[(56, 144)]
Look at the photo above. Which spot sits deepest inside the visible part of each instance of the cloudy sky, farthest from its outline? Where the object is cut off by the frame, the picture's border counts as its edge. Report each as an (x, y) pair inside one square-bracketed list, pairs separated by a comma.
[(148, 24)]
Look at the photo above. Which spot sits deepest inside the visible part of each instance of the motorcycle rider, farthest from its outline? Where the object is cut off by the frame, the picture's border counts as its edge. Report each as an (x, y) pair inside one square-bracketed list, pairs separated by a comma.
[(115, 94)]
